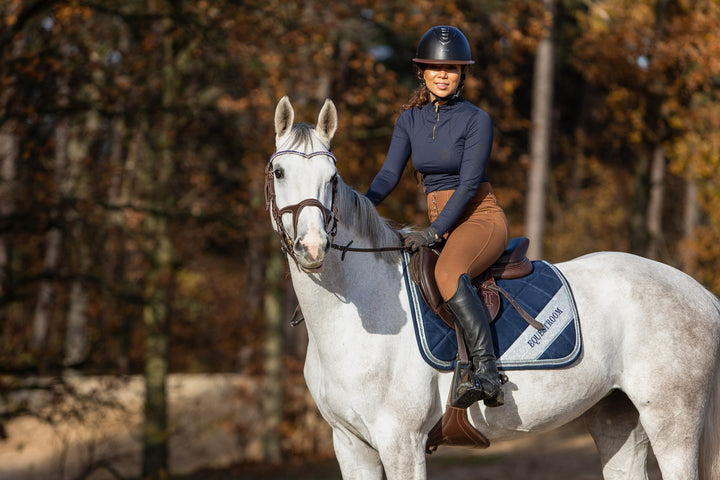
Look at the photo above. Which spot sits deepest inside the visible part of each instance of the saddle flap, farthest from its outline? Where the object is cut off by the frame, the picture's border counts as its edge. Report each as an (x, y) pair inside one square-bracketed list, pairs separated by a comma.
[(422, 271)]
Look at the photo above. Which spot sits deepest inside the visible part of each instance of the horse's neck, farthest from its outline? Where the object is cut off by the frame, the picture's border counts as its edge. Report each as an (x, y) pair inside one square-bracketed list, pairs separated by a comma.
[(358, 320), (362, 293)]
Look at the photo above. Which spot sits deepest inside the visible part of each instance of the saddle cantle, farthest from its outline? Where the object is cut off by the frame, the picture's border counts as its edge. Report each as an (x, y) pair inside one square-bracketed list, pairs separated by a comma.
[(513, 263)]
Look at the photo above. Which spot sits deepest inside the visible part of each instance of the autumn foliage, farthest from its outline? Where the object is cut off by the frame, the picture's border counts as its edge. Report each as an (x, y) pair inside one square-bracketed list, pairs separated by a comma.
[(133, 136)]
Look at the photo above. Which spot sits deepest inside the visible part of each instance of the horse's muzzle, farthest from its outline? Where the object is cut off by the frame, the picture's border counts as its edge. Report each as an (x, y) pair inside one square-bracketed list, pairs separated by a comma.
[(310, 251)]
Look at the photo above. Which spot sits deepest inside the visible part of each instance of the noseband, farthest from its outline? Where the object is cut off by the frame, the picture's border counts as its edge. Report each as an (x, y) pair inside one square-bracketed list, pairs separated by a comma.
[(329, 215)]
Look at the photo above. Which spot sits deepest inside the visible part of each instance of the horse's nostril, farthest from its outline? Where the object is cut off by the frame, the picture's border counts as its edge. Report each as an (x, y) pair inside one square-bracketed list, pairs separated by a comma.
[(298, 246)]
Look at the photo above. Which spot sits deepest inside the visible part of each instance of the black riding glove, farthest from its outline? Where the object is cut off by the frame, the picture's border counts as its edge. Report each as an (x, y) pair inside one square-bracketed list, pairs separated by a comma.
[(415, 240)]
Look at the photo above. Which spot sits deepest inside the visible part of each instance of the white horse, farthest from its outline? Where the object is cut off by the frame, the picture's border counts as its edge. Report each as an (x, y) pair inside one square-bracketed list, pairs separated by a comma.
[(648, 374)]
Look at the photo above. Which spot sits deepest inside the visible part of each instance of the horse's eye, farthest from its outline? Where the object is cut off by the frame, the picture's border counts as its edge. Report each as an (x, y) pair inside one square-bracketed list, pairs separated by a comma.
[(279, 173)]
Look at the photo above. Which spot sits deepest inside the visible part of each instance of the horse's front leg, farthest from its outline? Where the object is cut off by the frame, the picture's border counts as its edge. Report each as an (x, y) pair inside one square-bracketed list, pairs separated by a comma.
[(404, 457), (357, 459), (400, 458)]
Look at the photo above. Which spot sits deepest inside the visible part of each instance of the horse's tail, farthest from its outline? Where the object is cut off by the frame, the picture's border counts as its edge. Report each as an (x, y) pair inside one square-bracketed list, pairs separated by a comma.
[(710, 441)]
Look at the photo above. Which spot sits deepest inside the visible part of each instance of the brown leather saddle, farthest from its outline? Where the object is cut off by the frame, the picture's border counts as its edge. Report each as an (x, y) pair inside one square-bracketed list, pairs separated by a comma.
[(513, 263)]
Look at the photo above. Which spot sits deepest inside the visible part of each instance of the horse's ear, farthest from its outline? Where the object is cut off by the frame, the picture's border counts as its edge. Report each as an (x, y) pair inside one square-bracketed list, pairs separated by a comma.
[(327, 121), (284, 117)]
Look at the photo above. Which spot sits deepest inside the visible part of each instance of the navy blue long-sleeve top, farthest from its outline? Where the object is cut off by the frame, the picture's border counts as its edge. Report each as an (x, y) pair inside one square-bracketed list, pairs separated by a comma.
[(450, 145)]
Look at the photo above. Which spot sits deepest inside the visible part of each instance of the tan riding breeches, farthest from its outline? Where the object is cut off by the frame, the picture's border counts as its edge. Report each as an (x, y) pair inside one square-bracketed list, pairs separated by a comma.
[(476, 240)]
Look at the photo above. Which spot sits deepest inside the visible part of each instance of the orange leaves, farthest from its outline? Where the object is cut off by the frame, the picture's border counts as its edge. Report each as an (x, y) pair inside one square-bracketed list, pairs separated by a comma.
[(520, 24), (230, 106), (70, 13), (654, 67), (12, 10), (629, 52), (151, 42), (626, 80)]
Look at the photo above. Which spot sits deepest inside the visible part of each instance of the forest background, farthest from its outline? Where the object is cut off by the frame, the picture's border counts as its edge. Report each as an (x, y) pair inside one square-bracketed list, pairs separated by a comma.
[(134, 238)]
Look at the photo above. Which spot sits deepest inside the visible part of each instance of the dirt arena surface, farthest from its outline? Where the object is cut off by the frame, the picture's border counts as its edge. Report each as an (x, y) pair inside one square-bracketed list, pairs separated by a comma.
[(214, 443), (567, 453)]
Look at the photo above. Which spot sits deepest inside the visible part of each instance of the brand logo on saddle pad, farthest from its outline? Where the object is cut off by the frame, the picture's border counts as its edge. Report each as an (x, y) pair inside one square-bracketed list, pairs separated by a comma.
[(535, 339), (532, 343), (544, 294)]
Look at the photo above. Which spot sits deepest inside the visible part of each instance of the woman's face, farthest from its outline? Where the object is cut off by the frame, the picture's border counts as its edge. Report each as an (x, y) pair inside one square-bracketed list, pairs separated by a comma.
[(442, 80)]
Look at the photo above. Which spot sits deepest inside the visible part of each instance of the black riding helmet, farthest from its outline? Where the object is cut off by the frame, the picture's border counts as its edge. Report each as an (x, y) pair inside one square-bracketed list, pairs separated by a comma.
[(443, 45)]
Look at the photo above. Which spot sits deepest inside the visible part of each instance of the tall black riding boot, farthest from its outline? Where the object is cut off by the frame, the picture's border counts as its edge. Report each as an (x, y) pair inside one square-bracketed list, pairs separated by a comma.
[(470, 317)]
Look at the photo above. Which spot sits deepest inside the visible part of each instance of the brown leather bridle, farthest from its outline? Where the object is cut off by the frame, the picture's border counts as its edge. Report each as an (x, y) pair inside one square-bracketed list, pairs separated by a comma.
[(329, 214)]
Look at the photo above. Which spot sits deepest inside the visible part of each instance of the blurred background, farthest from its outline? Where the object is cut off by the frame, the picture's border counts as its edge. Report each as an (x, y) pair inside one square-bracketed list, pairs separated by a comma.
[(144, 301)]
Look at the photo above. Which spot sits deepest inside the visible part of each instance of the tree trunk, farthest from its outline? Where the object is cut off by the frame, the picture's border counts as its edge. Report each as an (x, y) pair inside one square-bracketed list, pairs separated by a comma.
[(125, 168), (53, 242), (638, 207), (8, 178), (157, 294), (75, 332), (691, 219), (273, 381), (255, 260), (542, 101), (155, 315), (656, 244)]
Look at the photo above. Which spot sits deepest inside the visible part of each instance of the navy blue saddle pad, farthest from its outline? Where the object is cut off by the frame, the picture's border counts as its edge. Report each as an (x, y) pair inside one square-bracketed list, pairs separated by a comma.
[(544, 294)]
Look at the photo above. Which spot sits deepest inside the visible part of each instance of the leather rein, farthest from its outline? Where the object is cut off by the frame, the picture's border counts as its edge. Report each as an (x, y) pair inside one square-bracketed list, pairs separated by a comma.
[(330, 215)]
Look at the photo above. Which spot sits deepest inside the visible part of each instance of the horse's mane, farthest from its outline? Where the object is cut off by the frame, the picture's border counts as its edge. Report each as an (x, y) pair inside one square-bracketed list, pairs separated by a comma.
[(356, 209)]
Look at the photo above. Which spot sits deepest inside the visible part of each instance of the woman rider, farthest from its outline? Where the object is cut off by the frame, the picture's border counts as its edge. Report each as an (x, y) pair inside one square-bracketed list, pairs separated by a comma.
[(450, 140)]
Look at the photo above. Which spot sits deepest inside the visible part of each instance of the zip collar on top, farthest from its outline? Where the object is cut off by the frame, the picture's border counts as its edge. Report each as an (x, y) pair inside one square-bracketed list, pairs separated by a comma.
[(457, 98)]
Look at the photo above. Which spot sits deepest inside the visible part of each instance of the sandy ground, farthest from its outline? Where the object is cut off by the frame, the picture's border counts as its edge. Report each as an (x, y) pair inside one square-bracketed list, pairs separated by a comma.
[(95, 432), (212, 439), (567, 453)]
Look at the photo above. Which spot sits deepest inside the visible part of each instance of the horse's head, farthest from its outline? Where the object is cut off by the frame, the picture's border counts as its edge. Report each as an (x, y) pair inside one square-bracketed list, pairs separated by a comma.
[(301, 185)]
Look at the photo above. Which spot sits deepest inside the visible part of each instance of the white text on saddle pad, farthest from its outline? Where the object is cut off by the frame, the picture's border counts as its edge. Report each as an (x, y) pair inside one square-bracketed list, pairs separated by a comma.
[(532, 343)]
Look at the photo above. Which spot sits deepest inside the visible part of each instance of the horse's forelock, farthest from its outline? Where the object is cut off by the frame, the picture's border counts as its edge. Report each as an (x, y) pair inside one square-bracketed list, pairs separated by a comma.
[(302, 136)]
